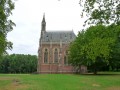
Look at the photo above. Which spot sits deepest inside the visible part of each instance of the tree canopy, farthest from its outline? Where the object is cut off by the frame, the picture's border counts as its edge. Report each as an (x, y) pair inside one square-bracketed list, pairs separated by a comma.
[(101, 11), (94, 47), (99, 44), (6, 25)]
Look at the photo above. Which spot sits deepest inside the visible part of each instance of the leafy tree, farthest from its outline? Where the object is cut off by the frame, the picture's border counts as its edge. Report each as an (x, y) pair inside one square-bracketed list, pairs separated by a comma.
[(101, 11), (98, 45), (6, 25), (94, 46), (18, 63)]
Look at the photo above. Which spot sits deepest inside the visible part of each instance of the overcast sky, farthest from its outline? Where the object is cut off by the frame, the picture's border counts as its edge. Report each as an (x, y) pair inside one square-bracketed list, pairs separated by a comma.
[(28, 14)]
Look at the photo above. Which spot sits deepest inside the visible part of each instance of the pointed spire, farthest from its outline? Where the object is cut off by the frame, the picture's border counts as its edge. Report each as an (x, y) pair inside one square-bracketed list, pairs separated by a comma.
[(44, 15), (43, 23), (43, 18)]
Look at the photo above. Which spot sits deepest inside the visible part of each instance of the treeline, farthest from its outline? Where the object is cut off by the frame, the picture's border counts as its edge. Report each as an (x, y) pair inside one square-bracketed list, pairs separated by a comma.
[(18, 63)]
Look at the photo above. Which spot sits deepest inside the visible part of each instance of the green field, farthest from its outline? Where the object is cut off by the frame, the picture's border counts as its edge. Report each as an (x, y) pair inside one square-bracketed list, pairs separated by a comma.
[(59, 82)]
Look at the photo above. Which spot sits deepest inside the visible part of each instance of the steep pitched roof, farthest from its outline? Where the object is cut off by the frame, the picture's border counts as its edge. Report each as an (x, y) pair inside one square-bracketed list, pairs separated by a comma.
[(57, 36)]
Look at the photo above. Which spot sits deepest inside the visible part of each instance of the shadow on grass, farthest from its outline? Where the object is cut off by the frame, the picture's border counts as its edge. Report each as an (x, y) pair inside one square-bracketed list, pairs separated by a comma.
[(103, 74)]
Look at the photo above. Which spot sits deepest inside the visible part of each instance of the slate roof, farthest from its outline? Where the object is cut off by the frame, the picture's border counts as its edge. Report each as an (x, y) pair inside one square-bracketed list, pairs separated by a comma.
[(57, 36)]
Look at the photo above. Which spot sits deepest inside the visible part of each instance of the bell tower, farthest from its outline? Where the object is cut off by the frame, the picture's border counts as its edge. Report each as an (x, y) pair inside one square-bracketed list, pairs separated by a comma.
[(43, 30)]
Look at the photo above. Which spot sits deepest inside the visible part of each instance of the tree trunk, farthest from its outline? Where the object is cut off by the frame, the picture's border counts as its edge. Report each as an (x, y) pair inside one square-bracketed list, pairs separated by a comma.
[(95, 71)]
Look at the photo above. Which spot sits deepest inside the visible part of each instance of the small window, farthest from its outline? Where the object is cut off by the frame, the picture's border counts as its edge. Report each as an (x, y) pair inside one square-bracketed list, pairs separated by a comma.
[(45, 50), (56, 56)]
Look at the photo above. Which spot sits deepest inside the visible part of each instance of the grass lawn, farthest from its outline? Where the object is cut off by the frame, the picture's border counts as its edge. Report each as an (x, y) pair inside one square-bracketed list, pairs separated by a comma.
[(60, 82)]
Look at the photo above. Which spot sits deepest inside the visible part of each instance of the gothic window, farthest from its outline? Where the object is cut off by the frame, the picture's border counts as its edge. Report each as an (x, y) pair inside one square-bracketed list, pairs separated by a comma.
[(56, 56), (66, 58), (46, 56)]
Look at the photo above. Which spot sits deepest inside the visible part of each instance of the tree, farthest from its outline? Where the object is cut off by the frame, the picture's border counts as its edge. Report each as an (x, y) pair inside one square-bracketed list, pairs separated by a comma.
[(18, 63), (99, 44), (6, 25), (101, 11), (94, 46)]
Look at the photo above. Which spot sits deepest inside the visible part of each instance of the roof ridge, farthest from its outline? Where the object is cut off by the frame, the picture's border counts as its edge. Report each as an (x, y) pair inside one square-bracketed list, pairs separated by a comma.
[(61, 31)]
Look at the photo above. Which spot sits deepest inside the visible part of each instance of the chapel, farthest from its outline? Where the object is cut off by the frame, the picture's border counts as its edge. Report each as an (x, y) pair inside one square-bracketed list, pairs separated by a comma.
[(53, 50)]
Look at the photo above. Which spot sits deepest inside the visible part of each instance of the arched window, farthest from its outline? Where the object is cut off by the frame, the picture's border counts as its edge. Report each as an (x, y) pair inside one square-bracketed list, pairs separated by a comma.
[(66, 58), (56, 56), (46, 56)]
